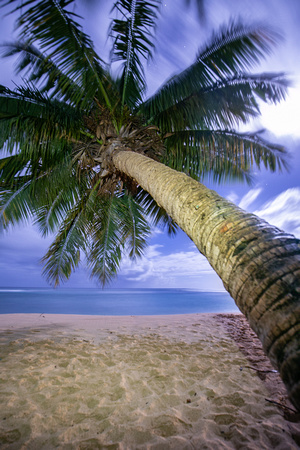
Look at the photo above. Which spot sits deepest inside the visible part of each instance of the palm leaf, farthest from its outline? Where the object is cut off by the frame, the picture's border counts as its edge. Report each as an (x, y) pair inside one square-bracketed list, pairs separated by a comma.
[(46, 196), (41, 70), (11, 167), (40, 128), (56, 195), (223, 104), (105, 252), (15, 205), (231, 51), (76, 204), (132, 44), (27, 101), (63, 255), (118, 227), (221, 154), (134, 227), (50, 24)]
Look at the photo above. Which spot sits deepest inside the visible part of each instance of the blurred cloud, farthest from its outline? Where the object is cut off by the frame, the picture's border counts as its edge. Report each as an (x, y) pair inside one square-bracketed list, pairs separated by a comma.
[(21, 251), (283, 211), (284, 118), (249, 198), (232, 197), (182, 268)]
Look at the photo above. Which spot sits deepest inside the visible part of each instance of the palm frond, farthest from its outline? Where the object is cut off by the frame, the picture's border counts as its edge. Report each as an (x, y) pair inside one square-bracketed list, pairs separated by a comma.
[(74, 209), (222, 154), (231, 51), (63, 255), (132, 44), (56, 195), (225, 103), (28, 101), (41, 70), (46, 197), (53, 27), (41, 128), (134, 227), (236, 47), (105, 252), (118, 227), (16, 205), (11, 168)]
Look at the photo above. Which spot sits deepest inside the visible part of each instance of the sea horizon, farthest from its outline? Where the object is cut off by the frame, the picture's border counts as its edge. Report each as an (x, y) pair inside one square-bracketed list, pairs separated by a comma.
[(10, 288), (114, 301)]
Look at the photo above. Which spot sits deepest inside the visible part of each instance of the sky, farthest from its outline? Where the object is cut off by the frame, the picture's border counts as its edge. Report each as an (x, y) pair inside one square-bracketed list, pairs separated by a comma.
[(175, 262)]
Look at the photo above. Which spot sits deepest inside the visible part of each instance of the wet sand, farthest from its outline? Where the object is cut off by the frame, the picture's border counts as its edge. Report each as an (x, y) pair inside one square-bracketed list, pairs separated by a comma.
[(197, 381)]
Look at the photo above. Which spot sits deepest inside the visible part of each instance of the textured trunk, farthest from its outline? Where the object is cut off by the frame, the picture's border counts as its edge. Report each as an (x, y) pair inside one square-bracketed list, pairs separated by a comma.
[(258, 263)]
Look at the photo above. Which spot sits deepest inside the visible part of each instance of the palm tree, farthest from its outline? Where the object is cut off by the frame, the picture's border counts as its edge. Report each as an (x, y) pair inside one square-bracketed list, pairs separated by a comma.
[(87, 154)]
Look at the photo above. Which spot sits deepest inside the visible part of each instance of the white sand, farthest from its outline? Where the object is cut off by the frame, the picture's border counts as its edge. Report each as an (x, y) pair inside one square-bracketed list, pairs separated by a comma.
[(136, 382)]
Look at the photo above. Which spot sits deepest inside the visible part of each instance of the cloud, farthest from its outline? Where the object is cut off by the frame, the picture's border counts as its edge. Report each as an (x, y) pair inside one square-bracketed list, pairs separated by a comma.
[(283, 119), (283, 211), (21, 251), (23, 243), (177, 269), (249, 198), (189, 268), (232, 197)]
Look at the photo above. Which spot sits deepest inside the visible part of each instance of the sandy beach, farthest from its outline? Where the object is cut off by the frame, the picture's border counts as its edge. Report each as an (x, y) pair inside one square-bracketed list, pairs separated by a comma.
[(197, 381)]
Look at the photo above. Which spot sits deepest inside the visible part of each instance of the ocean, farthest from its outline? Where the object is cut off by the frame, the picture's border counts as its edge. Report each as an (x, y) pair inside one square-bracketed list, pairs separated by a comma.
[(114, 302)]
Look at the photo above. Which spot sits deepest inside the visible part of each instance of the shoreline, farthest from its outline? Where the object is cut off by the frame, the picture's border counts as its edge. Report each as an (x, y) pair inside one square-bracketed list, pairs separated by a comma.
[(8, 317), (95, 325), (174, 381)]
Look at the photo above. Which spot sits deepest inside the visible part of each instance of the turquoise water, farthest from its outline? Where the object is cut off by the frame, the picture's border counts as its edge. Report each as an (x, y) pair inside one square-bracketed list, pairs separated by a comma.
[(114, 301)]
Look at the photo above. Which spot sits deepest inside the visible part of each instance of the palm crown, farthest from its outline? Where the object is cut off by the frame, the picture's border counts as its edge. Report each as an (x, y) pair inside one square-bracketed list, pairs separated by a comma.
[(61, 127)]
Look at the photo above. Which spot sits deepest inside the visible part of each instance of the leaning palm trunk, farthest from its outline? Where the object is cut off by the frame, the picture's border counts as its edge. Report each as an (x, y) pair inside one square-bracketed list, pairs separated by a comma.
[(258, 263)]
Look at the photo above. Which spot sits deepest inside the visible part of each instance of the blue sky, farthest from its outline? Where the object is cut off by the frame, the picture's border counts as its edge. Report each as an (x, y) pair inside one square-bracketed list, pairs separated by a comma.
[(175, 262)]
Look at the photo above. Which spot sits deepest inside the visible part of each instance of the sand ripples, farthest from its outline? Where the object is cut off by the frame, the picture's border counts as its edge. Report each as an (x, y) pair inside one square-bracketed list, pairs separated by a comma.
[(169, 385)]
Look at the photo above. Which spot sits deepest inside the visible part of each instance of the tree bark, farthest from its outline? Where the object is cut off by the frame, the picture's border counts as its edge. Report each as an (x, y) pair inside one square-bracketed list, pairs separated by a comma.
[(258, 263)]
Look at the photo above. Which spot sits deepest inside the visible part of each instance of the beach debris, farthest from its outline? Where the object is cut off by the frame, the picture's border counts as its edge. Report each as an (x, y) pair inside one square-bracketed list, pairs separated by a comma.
[(260, 370), (281, 405)]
